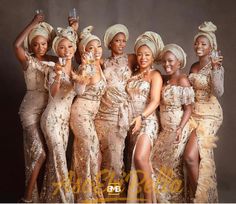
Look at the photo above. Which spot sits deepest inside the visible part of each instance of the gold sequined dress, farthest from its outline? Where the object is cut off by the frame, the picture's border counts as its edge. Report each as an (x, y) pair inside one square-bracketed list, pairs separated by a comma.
[(207, 113), (167, 157), (55, 126), (31, 109), (112, 118), (86, 149), (139, 96)]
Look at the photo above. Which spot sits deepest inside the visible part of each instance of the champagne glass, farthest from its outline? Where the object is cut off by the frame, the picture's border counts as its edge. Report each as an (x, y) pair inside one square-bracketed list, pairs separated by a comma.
[(62, 61), (39, 11), (90, 58), (214, 55), (72, 13)]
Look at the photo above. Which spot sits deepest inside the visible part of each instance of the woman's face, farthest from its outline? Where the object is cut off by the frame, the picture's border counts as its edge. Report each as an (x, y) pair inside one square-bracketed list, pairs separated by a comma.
[(39, 46), (65, 49), (95, 47), (170, 63), (144, 57), (118, 44), (202, 46)]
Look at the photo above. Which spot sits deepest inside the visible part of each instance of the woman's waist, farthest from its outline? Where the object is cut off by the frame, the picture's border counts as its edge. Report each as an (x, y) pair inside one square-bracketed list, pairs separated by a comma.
[(84, 105), (33, 102), (202, 95)]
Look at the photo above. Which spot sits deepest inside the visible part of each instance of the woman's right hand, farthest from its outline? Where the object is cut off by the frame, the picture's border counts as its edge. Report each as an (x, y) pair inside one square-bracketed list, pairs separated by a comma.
[(38, 18), (58, 69), (74, 23)]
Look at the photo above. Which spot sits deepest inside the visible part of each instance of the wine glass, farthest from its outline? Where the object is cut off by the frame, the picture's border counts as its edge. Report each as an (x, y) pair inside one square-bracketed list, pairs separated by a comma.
[(214, 55), (39, 11), (62, 61), (72, 13)]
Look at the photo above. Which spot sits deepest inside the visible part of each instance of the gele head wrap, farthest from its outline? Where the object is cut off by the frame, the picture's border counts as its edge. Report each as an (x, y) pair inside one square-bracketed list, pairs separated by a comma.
[(112, 31), (85, 37), (208, 29), (153, 41), (41, 29), (177, 51), (65, 33)]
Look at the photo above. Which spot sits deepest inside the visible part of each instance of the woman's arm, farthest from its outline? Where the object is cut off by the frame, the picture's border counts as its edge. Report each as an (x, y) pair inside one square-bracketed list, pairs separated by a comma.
[(217, 76), (155, 95), (187, 108), (217, 81), (18, 43), (55, 81)]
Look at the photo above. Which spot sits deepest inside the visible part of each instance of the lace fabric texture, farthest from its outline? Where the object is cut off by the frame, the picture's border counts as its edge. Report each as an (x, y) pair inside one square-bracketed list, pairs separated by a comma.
[(31, 109), (208, 115), (139, 90), (112, 120), (167, 157), (86, 150), (55, 126)]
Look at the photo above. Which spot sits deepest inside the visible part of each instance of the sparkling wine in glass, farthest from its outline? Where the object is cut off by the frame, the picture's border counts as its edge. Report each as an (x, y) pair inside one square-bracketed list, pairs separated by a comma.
[(72, 13)]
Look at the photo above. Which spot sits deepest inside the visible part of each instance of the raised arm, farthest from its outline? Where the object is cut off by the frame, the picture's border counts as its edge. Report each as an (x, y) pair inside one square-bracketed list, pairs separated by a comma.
[(18, 43), (217, 76)]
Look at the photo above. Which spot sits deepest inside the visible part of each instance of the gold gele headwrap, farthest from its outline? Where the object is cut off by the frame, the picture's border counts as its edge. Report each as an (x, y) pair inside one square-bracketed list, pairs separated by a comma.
[(208, 29), (112, 31), (85, 37), (153, 41), (42, 29), (65, 33), (177, 51)]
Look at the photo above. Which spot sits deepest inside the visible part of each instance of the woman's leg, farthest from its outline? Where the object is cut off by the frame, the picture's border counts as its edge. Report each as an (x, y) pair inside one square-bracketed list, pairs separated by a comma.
[(192, 159), (33, 179), (34, 159), (142, 164)]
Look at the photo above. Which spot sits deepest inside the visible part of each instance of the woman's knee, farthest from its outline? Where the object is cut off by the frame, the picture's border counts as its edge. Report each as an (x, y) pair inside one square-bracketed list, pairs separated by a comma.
[(191, 158), (140, 161)]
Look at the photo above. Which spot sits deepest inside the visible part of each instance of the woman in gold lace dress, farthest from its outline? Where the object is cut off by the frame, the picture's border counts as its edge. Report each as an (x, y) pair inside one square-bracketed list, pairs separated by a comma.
[(177, 97), (55, 120), (144, 90), (90, 87), (207, 78), (37, 37), (112, 119)]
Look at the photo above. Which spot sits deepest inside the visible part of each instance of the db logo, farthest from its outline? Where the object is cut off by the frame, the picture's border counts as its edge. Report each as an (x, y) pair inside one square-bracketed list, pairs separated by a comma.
[(113, 189)]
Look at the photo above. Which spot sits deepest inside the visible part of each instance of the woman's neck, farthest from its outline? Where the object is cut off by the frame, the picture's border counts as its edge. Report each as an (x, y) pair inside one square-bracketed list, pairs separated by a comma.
[(68, 67), (203, 61), (116, 55), (144, 69)]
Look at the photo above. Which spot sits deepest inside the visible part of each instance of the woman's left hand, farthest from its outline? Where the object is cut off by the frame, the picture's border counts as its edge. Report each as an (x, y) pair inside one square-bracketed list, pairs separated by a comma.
[(137, 122), (216, 62), (178, 135)]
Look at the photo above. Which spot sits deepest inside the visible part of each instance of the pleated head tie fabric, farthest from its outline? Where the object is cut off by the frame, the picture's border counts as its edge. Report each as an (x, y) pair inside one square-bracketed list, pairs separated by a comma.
[(177, 51), (112, 31), (153, 41), (65, 33), (85, 37), (208, 29), (42, 29)]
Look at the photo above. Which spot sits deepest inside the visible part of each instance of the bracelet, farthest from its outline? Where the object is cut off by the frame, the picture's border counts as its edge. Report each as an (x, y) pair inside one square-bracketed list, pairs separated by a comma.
[(57, 81), (142, 116)]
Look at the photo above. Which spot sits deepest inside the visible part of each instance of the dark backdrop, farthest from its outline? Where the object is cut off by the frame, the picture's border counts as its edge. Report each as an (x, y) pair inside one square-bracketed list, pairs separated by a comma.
[(175, 20)]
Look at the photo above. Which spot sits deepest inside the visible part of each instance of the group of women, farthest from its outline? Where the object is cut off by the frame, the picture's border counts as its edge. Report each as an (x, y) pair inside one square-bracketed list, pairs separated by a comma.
[(122, 102)]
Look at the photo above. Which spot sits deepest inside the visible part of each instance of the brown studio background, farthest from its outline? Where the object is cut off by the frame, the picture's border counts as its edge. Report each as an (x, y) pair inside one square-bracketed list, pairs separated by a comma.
[(175, 20)]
